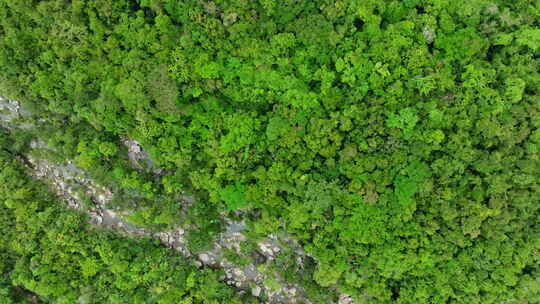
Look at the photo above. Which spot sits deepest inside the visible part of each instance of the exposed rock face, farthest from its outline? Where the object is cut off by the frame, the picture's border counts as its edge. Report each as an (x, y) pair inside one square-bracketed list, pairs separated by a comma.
[(345, 299), (256, 291), (137, 155), (269, 248), (249, 276), (10, 111)]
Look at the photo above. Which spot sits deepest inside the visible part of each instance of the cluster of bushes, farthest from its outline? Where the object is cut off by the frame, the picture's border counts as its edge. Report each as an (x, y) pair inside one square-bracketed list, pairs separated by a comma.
[(398, 140), (48, 250)]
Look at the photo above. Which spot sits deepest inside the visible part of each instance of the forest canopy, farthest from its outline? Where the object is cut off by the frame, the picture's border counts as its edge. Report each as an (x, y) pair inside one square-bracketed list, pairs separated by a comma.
[(52, 252), (398, 141)]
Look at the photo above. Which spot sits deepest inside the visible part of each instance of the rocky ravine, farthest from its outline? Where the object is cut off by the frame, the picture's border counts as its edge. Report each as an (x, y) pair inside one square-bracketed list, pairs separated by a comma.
[(75, 185), (71, 183)]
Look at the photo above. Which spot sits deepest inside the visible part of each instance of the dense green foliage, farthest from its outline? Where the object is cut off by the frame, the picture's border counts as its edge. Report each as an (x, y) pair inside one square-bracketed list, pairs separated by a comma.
[(52, 252), (398, 140)]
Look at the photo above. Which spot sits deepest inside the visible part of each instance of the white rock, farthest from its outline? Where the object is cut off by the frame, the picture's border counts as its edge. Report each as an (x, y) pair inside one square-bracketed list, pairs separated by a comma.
[(256, 291), (345, 299), (238, 272), (205, 258)]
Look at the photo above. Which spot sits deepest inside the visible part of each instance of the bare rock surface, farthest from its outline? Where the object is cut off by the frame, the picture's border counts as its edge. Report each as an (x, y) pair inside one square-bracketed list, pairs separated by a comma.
[(10, 112), (345, 299), (137, 155)]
